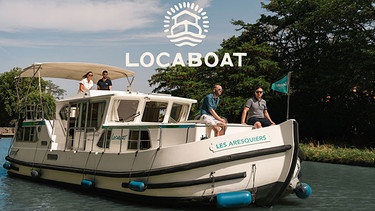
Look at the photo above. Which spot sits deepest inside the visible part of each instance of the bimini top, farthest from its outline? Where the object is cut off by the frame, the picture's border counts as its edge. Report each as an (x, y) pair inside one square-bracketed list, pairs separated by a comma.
[(73, 70)]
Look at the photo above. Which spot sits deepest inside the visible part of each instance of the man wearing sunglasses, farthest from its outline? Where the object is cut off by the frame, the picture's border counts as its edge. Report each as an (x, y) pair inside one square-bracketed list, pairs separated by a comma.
[(208, 113), (255, 111), (104, 83)]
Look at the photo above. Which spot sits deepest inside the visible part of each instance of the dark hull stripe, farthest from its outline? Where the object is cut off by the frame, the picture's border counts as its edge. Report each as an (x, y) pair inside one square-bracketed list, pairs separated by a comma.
[(160, 171), (192, 182)]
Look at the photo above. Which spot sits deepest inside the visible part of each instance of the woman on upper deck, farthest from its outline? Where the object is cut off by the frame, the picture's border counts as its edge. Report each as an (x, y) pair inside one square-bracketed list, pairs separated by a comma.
[(86, 83)]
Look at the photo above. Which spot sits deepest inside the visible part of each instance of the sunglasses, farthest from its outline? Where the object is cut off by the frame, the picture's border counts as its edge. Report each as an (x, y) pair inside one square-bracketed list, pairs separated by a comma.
[(259, 92), (90, 75)]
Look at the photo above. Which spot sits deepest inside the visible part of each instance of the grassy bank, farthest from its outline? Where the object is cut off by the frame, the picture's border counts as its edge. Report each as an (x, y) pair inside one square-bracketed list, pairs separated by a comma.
[(340, 155)]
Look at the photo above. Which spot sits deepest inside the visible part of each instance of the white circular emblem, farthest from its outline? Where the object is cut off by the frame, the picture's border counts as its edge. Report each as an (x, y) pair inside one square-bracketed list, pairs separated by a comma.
[(186, 24)]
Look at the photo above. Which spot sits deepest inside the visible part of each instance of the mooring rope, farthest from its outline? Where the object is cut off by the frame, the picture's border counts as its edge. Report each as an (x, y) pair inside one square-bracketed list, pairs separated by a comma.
[(254, 189), (131, 170), (152, 164), (212, 177)]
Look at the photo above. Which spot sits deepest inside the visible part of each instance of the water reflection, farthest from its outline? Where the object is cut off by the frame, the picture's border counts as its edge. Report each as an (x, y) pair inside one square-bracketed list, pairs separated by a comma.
[(340, 187)]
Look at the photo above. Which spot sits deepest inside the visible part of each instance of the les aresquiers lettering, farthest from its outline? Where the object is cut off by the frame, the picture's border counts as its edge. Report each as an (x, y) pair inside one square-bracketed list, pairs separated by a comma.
[(239, 142), (164, 59)]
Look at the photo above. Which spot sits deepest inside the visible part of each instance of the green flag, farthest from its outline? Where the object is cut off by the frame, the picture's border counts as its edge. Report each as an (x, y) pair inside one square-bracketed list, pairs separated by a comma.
[(281, 85)]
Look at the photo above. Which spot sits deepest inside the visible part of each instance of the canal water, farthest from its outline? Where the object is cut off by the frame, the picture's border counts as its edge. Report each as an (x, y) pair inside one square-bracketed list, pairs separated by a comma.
[(334, 187)]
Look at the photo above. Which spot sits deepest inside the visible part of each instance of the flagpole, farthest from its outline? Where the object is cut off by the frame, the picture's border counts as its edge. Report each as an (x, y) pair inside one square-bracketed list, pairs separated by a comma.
[(287, 106)]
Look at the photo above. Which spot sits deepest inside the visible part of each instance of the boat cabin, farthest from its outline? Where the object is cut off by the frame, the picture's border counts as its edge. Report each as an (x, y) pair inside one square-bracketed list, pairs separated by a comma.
[(115, 121), (108, 121)]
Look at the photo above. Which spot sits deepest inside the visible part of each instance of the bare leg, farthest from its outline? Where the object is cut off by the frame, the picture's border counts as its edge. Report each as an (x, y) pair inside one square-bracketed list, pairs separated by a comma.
[(257, 125), (217, 131), (222, 130)]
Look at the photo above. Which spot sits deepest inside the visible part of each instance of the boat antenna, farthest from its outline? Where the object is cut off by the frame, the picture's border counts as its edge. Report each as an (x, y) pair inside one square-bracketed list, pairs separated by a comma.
[(129, 88), (40, 91)]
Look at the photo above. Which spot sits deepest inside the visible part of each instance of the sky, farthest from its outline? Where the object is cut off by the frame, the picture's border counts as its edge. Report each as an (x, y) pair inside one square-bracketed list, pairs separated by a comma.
[(104, 31)]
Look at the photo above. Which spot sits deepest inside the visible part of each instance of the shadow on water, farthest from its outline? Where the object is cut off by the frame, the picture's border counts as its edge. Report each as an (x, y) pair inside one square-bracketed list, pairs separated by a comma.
[(25, 194)]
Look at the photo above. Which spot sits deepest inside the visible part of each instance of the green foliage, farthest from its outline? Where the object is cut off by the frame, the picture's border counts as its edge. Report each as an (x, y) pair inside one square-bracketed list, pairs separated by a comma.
[(329, 153), (10, 94), (54, 90), (47, 105), (238, 82), (329, 45), (16, 92)]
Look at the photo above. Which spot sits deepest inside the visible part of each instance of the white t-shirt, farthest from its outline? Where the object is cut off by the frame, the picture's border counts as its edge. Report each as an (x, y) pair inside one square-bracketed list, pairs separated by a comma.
[(86, 84)]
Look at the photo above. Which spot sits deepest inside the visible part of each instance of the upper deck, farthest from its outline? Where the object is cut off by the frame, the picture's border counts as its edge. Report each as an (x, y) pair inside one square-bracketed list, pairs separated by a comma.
[(72, 70), (116, 107)]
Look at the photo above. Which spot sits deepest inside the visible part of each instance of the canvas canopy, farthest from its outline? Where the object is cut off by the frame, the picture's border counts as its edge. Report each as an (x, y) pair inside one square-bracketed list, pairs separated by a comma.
[(73, 70)]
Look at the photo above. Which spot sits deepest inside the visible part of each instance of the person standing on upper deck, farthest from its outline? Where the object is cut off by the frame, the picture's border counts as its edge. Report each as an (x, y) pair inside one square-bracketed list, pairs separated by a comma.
[(208, 113), (255, 112), (104, 83), (86, 83)]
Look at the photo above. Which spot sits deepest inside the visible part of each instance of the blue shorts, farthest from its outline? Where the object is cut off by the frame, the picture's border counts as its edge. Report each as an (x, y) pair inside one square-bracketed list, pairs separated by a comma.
[(263, 121)]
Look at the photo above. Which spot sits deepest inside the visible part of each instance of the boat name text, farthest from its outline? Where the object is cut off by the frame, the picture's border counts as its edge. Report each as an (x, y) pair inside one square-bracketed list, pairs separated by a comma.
[(239, 142), (118, 137)]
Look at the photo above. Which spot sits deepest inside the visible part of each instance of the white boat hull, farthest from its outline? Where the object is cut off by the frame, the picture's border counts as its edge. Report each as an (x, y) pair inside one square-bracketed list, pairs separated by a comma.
[(143, 145), (194, 171)]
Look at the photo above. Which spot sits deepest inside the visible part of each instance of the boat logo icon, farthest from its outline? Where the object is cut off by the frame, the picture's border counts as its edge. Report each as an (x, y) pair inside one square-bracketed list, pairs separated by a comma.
[(186, 24)]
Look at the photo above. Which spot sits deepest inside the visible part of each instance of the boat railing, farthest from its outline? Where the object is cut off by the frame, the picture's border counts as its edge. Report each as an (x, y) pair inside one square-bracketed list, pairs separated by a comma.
[(49, 111), (154, 136), (77, 139), (193, 131), (94, 131), (33, 111), (118, 140)]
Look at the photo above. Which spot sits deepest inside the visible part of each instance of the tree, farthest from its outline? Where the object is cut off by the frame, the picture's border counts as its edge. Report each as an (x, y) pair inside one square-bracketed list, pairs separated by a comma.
[(54, 90), (238, 82), (329, 46), (17, 92)]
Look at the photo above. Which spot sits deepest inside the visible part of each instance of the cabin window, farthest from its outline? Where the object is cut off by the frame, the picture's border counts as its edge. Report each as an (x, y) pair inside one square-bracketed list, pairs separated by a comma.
[(105, 139), (125, 110), (89, 115), (68, 111), (52, 156), (154, 111), (95, 114), (26, 134), (179, 112), (71, 113), (139, 139), (64, 112), (82, 115)]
